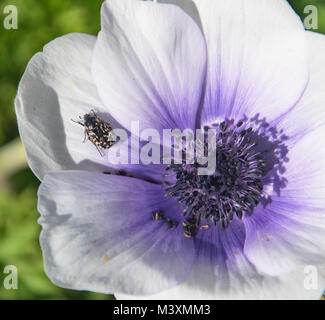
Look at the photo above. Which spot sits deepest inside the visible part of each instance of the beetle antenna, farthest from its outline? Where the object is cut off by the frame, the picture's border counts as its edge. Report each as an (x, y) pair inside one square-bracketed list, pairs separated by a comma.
[(82, 124), (93, 111)]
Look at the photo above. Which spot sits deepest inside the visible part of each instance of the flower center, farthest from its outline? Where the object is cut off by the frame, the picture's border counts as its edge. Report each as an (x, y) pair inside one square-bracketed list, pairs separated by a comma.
[(235, 187)]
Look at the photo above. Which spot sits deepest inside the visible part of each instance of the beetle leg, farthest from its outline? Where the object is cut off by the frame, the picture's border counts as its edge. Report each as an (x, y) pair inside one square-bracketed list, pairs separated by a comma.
[(85, 139), (99, 151)]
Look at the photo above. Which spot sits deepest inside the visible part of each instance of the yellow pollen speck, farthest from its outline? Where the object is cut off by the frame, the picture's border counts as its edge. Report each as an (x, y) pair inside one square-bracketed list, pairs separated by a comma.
[(105, 258), (235, 253), (139, 282), (72, 84)]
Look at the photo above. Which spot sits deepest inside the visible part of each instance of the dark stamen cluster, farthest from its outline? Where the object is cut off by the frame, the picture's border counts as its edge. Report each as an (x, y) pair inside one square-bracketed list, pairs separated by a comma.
[(235, 187)]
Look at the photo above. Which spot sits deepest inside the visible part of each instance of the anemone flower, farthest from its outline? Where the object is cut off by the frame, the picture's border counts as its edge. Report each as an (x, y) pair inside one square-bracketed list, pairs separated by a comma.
[(244, 67)]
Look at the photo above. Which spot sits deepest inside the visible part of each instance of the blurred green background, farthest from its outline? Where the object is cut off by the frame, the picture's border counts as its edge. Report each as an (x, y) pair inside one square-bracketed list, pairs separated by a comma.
[(40, 21)]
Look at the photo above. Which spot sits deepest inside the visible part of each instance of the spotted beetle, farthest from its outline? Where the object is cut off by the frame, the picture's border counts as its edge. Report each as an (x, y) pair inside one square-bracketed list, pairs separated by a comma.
[(97, 131)]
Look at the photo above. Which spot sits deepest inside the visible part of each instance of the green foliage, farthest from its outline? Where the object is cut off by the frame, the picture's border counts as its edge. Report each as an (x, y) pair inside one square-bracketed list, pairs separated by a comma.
[(299, 6), (40, 21)]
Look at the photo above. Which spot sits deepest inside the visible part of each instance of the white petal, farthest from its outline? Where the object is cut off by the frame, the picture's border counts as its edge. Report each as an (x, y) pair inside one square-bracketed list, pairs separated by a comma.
[(309, 113), (257, 56), (56, 87), (290, 231), (221, 265), (298, 285), (149, 64), (98, 234)]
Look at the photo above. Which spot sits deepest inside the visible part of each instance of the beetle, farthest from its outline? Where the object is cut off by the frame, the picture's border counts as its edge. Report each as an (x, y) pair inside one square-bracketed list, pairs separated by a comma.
[(98, 131)]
